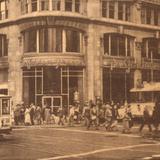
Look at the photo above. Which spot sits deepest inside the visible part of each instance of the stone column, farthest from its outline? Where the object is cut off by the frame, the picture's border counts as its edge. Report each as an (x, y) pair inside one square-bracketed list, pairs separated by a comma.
[(138, 60), (15, 72), (98, 66), (89, 58)]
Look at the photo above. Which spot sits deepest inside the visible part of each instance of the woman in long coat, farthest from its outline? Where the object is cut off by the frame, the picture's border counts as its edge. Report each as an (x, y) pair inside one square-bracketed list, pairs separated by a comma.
[(27, 116)]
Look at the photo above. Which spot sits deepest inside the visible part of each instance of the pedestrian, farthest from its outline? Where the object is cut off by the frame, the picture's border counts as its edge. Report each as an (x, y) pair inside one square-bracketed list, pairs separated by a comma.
[(38, 114), (93, 117), (32, 113), (146, 119), (71, 115), (27, 116), (108, 117), (47, 114), (156, 115), (61, 116), (86, 113), (114, 121), (126, 120), (17, 114)]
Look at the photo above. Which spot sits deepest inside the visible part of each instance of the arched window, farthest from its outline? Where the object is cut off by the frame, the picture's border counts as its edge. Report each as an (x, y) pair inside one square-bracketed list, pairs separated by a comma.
[(118, 44), (151, 48)]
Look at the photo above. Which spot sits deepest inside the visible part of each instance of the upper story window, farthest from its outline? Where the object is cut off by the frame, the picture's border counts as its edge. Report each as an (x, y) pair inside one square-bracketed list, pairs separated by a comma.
[(56, 5), (44, 5), (118, 45), (72, 41), (68, 5), (3, 46), (3, 9), (151, 48), (78, 6), (72, 6), (52, 40), (116, 10), (150, 15), (34, 5)]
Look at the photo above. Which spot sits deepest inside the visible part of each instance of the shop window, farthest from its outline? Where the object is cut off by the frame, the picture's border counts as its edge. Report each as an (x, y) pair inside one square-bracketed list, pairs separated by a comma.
[(34, 5), (50, 40), (68, 5), (3, 9), (44, 5), (3, 46), (56, 5), (118, 45), (30, 41), (151, 48), (72, 41)]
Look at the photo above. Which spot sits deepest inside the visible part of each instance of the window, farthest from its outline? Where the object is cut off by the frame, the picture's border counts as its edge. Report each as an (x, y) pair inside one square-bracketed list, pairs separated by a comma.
[(50, 40), (150, 15), (5, 106), (120, 11), (111, 9), (44, 5), (156, 12), (104, 8), (3, 46), (3, 10), (151, 48), (68, 5), (77, 6), (56, 4), (127, 12), (34, 5), (30, 41), (72, 41), (118, 45)]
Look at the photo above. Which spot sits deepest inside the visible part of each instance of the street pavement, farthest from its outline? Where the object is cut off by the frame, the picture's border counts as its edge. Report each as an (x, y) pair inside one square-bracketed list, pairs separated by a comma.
[(76, 143)]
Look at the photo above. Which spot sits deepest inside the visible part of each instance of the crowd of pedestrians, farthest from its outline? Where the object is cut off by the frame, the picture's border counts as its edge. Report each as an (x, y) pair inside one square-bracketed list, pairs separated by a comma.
[(92, 114)]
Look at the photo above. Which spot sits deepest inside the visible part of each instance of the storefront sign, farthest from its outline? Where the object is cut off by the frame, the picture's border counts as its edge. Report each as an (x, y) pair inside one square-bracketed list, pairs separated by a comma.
[(51, 61)]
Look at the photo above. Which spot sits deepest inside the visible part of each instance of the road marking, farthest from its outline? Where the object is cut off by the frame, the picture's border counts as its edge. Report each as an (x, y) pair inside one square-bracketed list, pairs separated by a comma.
[(97, 132), (97, 151)]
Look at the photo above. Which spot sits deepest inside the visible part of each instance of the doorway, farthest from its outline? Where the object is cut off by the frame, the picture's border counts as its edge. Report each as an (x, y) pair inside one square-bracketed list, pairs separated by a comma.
[(55, 102)]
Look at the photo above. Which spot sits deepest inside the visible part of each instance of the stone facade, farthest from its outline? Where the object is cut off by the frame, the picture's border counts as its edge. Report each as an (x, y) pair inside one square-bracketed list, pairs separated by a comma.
[(91, 57)]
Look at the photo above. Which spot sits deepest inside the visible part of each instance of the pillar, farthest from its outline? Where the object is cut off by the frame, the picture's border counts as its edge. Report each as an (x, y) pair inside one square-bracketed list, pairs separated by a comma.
[(15, 72)]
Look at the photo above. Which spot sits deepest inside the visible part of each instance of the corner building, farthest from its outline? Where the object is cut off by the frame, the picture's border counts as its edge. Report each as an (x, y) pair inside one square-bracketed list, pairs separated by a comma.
[(49, 49)]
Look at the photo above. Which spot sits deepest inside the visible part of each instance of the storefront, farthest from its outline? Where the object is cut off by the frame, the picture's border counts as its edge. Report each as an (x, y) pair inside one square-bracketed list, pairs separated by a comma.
[(116, 84), (53, 85)]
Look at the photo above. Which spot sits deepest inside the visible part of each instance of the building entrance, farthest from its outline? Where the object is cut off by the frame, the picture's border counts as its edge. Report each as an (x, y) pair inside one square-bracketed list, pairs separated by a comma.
[(55, 102)]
